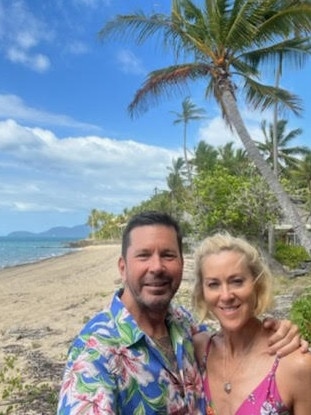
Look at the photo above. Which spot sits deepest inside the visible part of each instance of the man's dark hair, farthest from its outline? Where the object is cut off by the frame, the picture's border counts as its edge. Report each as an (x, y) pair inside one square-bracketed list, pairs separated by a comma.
[(150, 217)]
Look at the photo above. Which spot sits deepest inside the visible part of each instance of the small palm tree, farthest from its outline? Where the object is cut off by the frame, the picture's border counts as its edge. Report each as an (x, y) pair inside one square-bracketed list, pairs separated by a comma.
[(175, 183), (235, 160), (286, 156), (205, 157), (190, 112)]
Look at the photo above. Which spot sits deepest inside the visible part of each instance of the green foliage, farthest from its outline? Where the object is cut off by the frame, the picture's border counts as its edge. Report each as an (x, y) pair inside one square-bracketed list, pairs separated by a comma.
[(290, 255), (241, 204), (16, 395), (300, 314)]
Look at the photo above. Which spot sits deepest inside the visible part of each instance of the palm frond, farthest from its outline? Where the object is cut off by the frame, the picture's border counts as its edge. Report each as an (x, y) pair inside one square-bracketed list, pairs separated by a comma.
[(163, 81), (264, 96)]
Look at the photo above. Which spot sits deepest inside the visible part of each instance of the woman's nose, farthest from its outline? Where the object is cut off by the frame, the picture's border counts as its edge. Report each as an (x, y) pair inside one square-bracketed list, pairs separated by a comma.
[(225, 292)]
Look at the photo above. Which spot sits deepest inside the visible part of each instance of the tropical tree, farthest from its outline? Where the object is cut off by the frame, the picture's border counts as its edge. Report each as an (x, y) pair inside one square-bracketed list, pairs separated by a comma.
[(189, 112), (287, 157), (302, 173), (302, 178), (240, 203), (175, 183), (229, 44), (233, 159), (95, 221), (205, 157)]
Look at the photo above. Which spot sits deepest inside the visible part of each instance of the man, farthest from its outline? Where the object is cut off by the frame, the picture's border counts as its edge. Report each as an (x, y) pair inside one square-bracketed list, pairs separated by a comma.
[(136, 356)]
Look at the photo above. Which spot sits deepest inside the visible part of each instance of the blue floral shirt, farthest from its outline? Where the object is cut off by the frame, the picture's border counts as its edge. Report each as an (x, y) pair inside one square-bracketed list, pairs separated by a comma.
[(115, 368)]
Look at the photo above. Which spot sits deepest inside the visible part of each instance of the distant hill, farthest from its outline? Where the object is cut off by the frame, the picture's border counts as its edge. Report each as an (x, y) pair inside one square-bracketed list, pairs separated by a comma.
[(76, 232)]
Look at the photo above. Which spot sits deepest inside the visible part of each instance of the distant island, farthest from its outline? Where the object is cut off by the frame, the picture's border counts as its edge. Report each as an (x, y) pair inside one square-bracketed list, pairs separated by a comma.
[(76, 232)]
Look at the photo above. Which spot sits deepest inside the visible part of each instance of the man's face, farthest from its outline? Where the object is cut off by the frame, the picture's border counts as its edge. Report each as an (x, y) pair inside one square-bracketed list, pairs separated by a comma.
[(152, 269)]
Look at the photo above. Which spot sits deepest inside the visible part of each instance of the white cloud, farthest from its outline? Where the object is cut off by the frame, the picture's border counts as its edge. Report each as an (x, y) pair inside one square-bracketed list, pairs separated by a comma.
[(41, 172), (217, 133), (37, 62), (130, 63), (21, 32), (93, 3), (12, 106)]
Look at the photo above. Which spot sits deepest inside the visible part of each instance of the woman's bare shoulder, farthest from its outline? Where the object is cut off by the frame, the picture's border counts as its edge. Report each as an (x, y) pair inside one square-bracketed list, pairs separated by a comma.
[(297, 363)]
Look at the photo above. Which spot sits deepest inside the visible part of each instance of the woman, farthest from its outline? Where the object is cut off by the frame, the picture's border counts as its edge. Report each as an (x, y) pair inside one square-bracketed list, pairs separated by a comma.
[(233, 285)]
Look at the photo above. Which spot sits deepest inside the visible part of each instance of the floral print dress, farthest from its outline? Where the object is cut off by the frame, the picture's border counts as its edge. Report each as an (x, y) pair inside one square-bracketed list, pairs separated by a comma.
[(264, 400)]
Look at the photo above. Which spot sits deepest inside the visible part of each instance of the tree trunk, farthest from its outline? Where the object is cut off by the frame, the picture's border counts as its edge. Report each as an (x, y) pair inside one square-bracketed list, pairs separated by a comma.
[(290, 212)]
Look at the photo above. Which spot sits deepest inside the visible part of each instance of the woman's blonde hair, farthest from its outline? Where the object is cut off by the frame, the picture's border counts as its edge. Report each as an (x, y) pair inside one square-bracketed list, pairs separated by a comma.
[(224, 241)]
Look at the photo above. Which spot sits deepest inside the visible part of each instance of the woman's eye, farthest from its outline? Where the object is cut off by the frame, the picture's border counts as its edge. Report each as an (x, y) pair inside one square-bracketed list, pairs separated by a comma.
[(238, 281), (211, 284)]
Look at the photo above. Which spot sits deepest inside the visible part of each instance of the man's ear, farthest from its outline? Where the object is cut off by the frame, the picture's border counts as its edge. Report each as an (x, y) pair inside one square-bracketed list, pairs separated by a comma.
[(122, 268)]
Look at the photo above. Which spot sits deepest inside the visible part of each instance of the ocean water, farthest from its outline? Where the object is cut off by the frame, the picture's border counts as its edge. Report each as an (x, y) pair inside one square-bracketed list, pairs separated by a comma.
[(17, 251)]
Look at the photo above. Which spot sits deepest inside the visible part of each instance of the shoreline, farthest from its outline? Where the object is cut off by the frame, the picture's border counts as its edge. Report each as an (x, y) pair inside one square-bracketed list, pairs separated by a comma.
[(35, 261)]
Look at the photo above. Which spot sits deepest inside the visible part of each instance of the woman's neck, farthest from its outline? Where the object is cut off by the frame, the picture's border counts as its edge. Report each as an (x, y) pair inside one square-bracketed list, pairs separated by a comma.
[(241, 342)]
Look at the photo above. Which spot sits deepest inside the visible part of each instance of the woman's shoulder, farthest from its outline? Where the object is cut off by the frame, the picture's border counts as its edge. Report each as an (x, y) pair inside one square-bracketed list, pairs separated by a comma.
[(296, 363)]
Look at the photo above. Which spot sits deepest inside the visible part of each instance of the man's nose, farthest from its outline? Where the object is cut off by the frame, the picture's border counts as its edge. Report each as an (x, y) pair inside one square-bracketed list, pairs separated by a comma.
[(156, 263)]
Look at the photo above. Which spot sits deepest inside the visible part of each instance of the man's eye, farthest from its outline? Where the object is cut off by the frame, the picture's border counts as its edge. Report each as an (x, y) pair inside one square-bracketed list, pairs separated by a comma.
[(169, 255), (143, 255)]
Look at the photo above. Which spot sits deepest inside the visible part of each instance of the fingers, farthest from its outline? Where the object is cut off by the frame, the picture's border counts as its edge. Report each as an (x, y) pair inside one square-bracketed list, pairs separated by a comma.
[(284, 347), (304, 346), (285, 339)]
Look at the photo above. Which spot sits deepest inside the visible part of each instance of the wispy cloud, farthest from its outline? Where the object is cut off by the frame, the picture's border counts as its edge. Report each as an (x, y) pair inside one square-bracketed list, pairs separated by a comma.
[(20, 35), (129, 63), (12, 106), (93, 3)]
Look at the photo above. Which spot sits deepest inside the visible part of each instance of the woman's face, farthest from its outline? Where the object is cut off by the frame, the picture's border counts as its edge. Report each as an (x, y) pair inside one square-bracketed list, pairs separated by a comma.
[(228, 288)]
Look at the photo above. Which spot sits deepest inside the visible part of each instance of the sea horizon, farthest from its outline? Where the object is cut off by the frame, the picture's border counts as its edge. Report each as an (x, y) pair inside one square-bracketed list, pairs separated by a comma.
[(26, 250)]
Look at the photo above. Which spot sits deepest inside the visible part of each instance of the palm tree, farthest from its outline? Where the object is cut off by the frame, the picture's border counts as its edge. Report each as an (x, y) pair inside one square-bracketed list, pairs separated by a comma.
[(189, 112), (303, 171), (205, 157), (175, 183), (286, 156), (229, 44), (234, 160)]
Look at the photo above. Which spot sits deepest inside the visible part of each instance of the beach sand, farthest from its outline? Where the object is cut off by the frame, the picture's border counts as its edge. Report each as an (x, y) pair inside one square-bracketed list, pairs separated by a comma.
[(44, 305), (54, 297)]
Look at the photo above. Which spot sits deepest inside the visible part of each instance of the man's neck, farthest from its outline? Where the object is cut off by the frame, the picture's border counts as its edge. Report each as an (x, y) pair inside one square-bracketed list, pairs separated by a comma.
[(150, 321)]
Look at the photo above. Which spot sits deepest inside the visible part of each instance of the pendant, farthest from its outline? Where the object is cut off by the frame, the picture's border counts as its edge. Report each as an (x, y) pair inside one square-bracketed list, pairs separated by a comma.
[(227, 387)]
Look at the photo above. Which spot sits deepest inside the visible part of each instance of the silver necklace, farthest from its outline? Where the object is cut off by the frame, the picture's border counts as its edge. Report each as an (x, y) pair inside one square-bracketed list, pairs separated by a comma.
[(227, 380)]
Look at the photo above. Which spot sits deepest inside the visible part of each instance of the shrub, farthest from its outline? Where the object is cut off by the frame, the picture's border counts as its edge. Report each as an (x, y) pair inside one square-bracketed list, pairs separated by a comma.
[(16, 395), (290, 255), (300, 314)]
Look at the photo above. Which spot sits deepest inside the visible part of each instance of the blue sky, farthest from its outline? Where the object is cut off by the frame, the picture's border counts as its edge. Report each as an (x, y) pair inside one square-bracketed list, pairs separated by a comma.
[(67, 143)]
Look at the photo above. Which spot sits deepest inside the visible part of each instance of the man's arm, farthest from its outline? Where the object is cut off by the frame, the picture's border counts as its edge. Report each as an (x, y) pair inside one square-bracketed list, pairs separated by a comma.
[(285, 337), (85, 389)]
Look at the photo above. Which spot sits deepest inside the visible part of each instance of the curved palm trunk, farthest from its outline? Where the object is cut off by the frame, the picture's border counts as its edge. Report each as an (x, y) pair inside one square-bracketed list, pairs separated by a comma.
[(290, 213)]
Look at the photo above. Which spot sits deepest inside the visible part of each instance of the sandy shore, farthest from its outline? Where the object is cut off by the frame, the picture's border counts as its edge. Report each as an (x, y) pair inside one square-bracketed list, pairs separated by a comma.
[(44, 305)]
